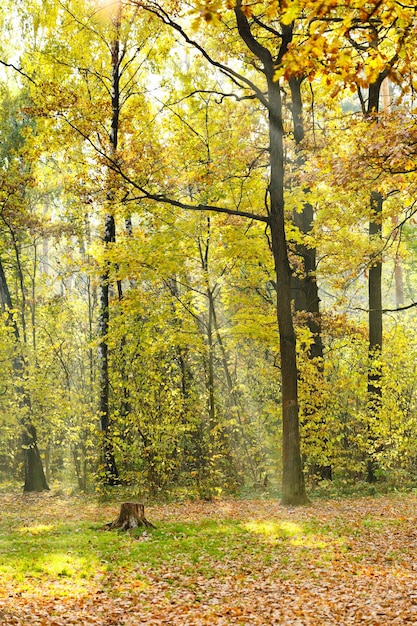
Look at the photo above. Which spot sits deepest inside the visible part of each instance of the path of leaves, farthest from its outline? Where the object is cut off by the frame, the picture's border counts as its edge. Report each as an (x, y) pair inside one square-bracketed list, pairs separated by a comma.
[(339, 562)]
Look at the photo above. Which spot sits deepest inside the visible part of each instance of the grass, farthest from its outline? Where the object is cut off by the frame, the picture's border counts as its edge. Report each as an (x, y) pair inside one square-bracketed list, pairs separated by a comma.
[(223, 562)]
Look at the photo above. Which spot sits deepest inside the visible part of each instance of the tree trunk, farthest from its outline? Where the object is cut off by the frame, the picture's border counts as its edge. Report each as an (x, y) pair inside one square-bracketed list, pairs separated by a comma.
[(398, 272), (132, 515), (34, 475), (305, 290), (109, 468), (293, 488), (375, 333), (374, 391), (108, 463), (306, 296)]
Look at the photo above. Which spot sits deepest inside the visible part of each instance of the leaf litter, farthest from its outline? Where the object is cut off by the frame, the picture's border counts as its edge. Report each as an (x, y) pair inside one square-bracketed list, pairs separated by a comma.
[(227, 562)]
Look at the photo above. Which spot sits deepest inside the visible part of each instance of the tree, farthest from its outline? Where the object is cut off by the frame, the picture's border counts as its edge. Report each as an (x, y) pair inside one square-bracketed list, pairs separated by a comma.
[(209, 121), (293, 489), (105, 64), (33, 469), (305, 289), (16, 183)]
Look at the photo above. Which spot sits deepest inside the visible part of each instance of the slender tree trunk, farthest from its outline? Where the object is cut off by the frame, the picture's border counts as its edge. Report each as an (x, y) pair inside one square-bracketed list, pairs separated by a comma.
[(108, 462), (306, 298), (375, 330), (21, 281), (33, 298), (204, 257), (398, 272), (210, 368), (398, 277), (111, 474), (374, 390)]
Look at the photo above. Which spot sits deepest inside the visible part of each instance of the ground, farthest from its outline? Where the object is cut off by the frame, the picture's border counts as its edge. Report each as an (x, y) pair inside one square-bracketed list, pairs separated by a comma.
[(338, 562)]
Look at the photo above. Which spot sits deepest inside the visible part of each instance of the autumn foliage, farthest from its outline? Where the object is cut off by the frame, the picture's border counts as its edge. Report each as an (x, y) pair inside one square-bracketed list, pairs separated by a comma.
[(206, 210)]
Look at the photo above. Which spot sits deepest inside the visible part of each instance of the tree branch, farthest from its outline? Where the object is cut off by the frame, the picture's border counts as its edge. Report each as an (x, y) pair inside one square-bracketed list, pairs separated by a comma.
[(17, 69), (235, 77), (245, 32), (397, 310), (191, 207)]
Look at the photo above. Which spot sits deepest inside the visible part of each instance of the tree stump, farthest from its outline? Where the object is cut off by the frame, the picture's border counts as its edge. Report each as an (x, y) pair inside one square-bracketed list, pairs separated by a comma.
[(132, 515)]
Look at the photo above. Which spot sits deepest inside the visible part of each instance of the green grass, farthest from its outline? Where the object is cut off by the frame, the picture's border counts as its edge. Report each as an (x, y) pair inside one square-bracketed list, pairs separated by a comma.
[(206, 557), (80, 551)]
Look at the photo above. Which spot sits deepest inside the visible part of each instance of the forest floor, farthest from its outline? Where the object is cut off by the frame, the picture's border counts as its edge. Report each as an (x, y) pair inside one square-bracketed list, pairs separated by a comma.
[(351, 561)]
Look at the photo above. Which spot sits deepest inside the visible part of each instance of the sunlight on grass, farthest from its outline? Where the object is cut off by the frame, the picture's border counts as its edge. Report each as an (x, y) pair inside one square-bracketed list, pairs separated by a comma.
[(36, 530), (274, 529), (309, 542), (61, 564), (53, 565), (294, 533), (53, 574)]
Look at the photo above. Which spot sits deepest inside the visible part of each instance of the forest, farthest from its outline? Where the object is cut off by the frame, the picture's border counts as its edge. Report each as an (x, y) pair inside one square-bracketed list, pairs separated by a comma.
[(208, 278)]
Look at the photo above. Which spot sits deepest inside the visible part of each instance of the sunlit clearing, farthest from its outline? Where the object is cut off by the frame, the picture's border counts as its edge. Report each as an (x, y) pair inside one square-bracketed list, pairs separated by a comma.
[(294, 533), (274, 529), (61, 564), (36, 530), (52, 574)]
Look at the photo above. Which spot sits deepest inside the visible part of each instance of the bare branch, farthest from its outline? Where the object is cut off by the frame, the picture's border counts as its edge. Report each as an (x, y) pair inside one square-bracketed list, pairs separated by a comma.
[(192, 207), (17, 69), (397, 310)]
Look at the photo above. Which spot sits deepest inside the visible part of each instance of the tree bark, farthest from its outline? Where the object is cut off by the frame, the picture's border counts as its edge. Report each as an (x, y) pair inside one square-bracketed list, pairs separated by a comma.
[(375, 332), (109, 468), (35, 479), (306, 296), (108, 463), (305, 289), (293, 486), (374, 389)]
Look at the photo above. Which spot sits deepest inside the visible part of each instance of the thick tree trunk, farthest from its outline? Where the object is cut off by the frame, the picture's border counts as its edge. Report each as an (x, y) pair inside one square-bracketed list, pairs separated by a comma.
[(132, 515), (293, 488), (34, 474), (305, 290)]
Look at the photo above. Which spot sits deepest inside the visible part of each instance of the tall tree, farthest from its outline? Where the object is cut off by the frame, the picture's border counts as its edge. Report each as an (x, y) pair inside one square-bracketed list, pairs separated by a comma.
[(16, 178), (293, 488), (34, 475), (371, 110), (305, 288), (111, 474)]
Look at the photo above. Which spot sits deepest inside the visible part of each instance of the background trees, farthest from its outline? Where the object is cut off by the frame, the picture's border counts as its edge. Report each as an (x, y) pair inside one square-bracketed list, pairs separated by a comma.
[(231, 153)]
